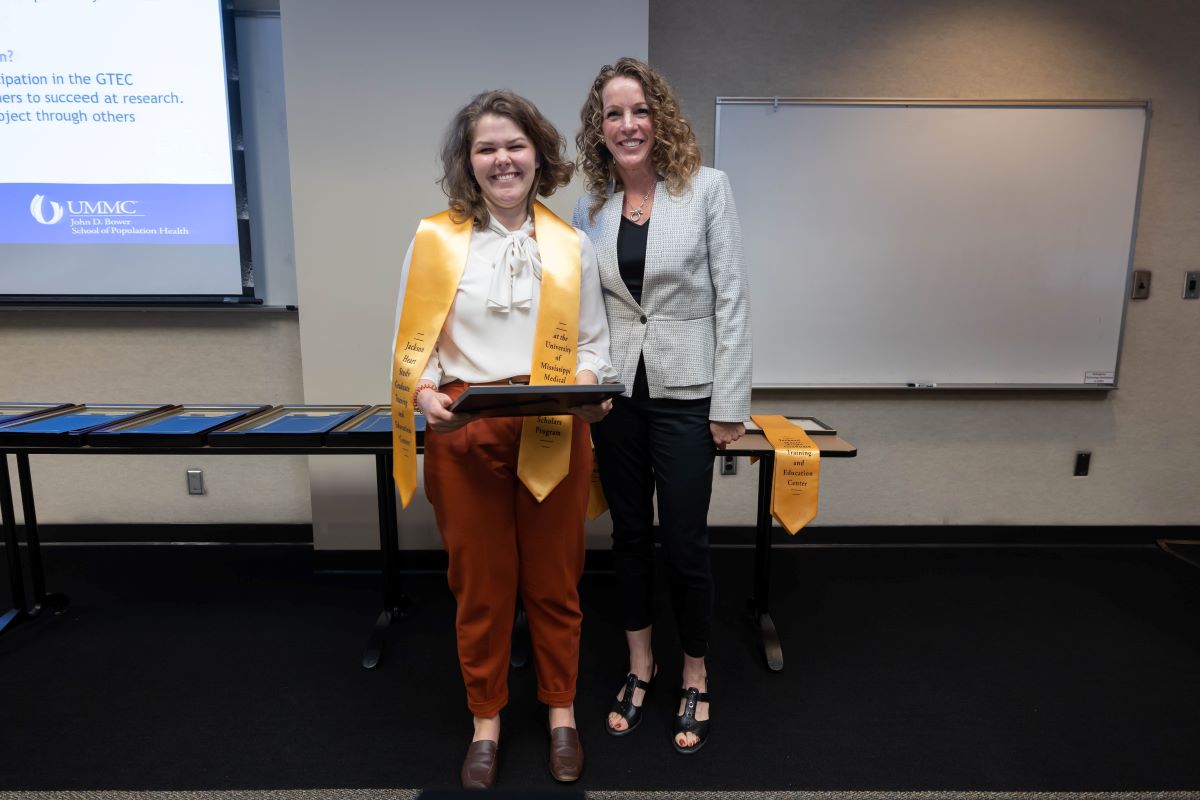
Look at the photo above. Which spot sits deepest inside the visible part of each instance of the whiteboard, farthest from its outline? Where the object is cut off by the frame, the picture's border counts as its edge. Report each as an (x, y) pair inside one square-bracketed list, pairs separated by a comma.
[(935, 243)]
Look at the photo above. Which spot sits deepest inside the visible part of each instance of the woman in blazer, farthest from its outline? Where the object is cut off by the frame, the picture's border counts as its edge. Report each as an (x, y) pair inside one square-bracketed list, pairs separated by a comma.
[(669, 248)]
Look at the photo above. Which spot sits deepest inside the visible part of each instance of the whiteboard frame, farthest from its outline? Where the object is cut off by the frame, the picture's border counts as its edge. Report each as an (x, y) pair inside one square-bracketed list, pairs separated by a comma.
[(1146, 104)]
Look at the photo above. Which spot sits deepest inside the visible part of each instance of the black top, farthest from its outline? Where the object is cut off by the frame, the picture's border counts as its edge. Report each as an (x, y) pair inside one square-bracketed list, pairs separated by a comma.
[(631, 255)]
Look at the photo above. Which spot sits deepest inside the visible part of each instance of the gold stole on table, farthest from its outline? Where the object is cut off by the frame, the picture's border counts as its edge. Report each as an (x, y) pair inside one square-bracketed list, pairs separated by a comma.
[(797, 472), (438, 259)]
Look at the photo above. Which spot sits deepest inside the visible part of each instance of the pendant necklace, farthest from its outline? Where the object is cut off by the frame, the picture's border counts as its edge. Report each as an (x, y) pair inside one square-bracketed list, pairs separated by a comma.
[(636, 214)]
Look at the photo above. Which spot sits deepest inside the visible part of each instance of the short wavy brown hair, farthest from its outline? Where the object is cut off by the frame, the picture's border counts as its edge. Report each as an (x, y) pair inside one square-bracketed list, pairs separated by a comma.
[(458, 179), (675, 153)]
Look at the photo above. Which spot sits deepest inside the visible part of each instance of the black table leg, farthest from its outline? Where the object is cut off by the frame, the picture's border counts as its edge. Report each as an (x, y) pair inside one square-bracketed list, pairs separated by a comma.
[(12, 548), (759, 605), (395, 604), (55, 602)]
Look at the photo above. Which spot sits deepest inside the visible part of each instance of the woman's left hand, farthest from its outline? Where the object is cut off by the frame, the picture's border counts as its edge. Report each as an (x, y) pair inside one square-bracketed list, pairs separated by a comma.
[(724, 433), (590, 412)]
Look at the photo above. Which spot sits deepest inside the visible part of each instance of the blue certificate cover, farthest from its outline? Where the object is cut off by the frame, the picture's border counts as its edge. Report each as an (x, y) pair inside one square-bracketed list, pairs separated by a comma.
[(183, 423), (11, 412), (372, 428), (181, 426), (300, 422), (69, 423), (68, 427), (285, 426)]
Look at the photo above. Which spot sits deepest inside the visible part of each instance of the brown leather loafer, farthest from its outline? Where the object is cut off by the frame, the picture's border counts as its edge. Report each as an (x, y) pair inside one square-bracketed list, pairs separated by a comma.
[(566, 755), (480, 766)]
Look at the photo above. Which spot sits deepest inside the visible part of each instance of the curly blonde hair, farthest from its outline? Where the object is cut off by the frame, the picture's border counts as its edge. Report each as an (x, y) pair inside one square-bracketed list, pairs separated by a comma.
[(458, 179), (675, 154)]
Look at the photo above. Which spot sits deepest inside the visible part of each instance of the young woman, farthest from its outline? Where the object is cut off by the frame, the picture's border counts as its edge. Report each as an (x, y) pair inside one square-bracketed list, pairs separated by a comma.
[(504, 290)]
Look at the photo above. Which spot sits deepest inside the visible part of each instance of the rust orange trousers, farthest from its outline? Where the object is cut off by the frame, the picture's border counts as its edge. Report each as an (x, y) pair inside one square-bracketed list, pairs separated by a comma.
[(501, 541)]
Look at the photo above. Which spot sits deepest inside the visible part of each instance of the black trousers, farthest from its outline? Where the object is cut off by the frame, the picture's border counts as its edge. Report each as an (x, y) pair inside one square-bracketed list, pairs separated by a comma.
[(646, 446)]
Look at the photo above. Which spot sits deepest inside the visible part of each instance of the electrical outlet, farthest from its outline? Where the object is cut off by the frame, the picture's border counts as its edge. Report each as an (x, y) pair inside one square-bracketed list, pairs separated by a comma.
[(728, 465), (1083, 461), (1191, 285), (1141, 284), (195, 481)]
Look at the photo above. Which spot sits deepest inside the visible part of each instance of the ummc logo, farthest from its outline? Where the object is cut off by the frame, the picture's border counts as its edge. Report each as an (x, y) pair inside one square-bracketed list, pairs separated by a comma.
[(38, 209), (113, 208)]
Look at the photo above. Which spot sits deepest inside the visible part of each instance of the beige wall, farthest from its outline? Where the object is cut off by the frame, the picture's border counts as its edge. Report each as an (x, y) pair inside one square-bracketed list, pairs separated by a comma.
[(1003, 457), (168, 356)]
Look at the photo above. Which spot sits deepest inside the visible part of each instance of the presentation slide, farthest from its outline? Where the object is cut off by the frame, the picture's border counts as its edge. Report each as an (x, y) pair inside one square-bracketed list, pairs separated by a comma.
[(116, 176)]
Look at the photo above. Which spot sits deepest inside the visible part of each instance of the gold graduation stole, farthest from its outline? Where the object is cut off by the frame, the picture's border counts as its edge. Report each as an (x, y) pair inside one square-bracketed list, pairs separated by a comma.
[(545, 454), (797, 472), (439, 257)]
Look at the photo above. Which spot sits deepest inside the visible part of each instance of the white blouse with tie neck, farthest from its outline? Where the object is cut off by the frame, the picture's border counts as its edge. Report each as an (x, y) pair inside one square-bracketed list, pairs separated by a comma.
[(488, 334)]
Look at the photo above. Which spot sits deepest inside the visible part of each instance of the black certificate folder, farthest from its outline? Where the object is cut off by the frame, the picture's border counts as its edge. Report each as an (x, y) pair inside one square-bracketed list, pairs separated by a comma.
[(518, 400), (182, 426), (811, 425), (284, 426)]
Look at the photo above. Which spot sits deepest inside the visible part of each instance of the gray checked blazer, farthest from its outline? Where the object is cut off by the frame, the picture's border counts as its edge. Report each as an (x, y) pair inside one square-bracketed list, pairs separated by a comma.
[(693, 325)]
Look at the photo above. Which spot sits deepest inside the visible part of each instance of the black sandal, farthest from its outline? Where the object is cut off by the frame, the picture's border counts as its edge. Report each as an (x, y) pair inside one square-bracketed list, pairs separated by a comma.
[(625, 708), (687, 722)]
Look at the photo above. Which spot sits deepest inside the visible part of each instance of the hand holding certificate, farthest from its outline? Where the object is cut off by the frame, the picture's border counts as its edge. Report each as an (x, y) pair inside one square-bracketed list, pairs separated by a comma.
[(591, 412)]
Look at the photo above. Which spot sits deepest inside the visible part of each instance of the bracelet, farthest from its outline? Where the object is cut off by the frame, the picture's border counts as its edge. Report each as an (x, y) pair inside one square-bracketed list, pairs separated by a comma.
[(422, 386)]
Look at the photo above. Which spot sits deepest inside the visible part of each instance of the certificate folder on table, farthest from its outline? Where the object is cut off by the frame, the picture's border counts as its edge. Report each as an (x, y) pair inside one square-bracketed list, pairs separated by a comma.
[(11, 412), (811, 425), (182, 426), (518, 400), (69, 426), (371, 428), (284, 426)]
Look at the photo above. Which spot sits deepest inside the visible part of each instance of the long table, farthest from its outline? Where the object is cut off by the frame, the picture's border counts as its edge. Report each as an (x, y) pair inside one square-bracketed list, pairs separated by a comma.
[(395, 603)]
